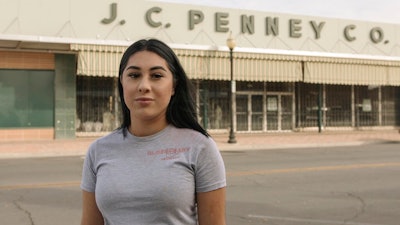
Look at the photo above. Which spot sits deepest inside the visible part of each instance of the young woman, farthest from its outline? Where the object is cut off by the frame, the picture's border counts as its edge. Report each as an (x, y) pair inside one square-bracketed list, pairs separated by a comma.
[(160, 166)]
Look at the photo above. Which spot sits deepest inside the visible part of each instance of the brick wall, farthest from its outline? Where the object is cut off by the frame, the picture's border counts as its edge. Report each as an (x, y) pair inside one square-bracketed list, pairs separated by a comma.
[(26, 134), (26, 60)]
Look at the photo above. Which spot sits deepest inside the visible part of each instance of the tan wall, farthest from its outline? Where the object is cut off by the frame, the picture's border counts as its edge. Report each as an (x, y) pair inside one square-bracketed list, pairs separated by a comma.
[(76, 21)]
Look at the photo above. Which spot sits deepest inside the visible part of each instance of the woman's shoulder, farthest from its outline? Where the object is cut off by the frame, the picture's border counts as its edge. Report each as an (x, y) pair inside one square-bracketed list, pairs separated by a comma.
[(102, 145), (194, 137), (113, 136), (187, 132)]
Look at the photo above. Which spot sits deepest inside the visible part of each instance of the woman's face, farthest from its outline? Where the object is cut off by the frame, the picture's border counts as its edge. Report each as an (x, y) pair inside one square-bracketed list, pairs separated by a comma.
[(148, 86)]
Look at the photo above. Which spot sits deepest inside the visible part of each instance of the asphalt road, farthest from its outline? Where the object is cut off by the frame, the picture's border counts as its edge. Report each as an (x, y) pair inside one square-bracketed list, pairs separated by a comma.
[(357, 185)]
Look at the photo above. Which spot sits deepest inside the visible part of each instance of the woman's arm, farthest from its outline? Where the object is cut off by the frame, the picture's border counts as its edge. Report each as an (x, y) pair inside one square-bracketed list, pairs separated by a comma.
[(91, 215), (211, 207)]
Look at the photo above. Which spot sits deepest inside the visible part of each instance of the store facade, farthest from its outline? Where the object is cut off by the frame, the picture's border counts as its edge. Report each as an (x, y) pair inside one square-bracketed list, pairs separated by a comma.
[(58, 76)]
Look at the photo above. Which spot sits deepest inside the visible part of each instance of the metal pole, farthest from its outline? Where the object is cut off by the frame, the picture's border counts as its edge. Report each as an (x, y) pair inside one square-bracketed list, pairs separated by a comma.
[(232, 138), (320, 108)]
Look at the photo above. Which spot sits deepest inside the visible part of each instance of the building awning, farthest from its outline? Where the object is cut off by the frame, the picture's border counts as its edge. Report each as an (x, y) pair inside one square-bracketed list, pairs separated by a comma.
[(394, 76), (103, 60), (215, 65), (98, 60), (345, 74)]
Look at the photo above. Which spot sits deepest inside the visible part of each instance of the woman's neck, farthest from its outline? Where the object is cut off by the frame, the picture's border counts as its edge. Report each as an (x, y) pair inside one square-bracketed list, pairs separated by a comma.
[(146, 128)]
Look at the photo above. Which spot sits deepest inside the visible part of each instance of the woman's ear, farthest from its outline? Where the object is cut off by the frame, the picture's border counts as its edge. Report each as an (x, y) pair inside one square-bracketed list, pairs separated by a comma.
[(174, 86)]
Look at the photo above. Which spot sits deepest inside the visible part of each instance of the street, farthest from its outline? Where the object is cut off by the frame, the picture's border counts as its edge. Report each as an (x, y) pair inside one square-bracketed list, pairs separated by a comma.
[(322, 186), (357, 185)]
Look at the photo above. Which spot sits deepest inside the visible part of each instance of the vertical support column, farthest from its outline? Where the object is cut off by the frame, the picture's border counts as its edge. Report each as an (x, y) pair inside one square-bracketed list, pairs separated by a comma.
[(319, 103), (65, 96), (353, 107), (299, 115), (280, 111), (293, 106), (265, 108), (249, 112), (380, 105), (264, 112), (324, 108)]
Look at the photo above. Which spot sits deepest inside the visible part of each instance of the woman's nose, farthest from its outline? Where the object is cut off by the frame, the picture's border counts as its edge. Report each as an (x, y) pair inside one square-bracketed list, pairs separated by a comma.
[(144, 85)]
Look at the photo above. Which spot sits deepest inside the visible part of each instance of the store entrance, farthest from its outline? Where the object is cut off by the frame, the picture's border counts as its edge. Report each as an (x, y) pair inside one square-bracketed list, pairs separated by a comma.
[(249, 112), (259, 112), (279, 112)]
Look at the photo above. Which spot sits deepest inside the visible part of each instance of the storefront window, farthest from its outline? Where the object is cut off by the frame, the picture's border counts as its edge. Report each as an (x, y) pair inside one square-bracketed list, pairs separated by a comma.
[(347, 106), (214, 104), (253, 86), (338, 105), (390, 105), (366, 105), (97, 104), (279, 87), (26, 98), (308, 105)]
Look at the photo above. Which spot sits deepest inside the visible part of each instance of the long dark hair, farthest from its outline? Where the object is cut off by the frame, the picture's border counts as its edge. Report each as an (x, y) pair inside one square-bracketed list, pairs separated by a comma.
[(181, 110)]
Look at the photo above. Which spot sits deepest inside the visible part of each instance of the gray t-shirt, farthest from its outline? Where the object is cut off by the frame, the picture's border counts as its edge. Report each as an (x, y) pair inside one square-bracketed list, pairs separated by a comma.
[(153, 179)]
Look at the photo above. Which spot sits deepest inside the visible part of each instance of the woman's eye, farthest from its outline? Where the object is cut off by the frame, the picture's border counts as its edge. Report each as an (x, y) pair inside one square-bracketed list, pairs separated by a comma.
[(133, 75), (157, 76)]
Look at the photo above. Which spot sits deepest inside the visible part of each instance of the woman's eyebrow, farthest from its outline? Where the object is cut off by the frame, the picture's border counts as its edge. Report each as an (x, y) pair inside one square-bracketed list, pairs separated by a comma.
[(158, 68), (132, 68), (152, 68)]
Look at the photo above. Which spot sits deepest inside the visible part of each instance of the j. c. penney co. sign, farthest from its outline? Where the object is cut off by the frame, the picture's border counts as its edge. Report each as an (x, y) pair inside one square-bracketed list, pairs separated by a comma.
[(126, 20), (272, 25)]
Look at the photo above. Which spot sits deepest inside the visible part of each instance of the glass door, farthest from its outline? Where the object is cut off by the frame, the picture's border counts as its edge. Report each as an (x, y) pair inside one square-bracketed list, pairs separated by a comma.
[(257, 114), (254, 112), (273, 122), (286, 112), (242, 113), (279, 112)]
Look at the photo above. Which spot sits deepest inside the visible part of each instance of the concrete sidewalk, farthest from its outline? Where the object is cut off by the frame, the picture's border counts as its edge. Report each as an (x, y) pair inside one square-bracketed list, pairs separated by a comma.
[(262, 141)]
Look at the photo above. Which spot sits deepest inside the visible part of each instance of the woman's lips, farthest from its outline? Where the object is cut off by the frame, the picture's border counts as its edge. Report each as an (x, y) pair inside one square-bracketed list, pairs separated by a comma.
[(144, 100)]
